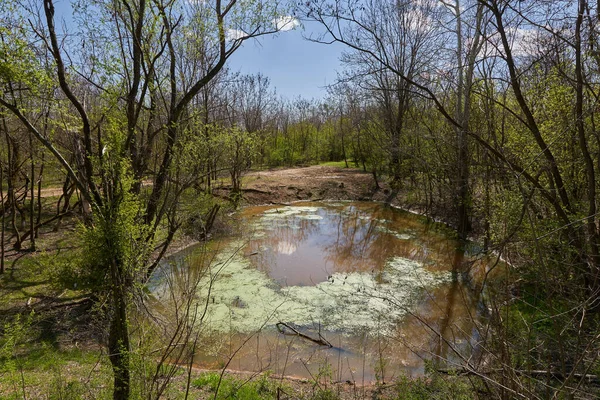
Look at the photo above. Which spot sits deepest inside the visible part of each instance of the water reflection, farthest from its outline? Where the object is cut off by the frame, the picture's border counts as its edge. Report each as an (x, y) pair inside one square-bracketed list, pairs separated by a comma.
[(346, 238), (326, 241)]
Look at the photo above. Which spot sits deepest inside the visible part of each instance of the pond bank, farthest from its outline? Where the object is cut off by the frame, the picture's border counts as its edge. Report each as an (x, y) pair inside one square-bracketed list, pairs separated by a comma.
[(318, 183)]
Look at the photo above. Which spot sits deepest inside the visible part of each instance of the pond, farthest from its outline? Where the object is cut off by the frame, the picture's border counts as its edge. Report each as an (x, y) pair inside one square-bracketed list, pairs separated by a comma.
[(348, 291)]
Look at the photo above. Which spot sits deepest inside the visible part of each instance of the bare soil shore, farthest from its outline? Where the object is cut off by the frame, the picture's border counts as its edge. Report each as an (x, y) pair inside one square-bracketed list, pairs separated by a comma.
[(312, 183)]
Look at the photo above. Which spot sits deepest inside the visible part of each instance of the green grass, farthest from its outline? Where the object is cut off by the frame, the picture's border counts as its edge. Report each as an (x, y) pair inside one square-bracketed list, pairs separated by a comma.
[(38, 358), (39, 370), (337, 164), (433, 387), (234, 388), (36, 276)]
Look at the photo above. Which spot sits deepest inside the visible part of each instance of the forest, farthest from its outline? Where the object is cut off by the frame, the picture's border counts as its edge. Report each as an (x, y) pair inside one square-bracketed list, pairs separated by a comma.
[(125, 136)]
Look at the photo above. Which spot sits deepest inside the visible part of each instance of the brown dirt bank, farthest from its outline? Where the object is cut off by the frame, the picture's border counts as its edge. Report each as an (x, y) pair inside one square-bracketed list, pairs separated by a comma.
[(309, 183), (315, 183)]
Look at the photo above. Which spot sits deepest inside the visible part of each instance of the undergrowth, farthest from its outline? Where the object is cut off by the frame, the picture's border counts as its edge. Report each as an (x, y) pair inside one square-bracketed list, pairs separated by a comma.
[(235, 388)]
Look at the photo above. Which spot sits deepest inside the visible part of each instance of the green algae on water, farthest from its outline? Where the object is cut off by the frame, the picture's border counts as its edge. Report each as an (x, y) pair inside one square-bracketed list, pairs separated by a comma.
[(244, 299)]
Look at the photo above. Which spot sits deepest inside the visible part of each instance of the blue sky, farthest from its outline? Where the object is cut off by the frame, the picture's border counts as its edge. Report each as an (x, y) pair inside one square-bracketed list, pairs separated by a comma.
[(294, 65)]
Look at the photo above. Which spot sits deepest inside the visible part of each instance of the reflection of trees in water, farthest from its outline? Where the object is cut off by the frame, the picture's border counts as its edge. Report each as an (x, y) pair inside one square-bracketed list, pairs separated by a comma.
[(450, 311), (358, 245), (364, 239), (353, 238), (186, 270), (284, 234), (429, 244), (444, 328), (454, 314)]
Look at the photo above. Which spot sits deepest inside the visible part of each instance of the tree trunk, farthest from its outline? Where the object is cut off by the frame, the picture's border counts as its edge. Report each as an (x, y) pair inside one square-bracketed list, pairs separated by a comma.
[(68, 190), (592, 232), (118, 340), (3, 227), (39, 197), (12, 199), (463, 115), (32, 200), (377, 187)]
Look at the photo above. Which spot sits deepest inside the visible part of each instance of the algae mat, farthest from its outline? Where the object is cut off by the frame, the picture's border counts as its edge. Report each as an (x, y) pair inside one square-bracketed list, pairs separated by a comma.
[(374, 281)]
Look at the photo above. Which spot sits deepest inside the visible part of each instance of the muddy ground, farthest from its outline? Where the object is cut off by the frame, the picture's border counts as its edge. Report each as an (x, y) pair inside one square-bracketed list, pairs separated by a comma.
[(310, 183)]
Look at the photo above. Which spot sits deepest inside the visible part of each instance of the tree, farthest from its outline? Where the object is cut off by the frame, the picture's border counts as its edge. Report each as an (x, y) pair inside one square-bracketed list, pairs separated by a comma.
[(468, 46), (555, 189), (400, 52), (130, 60), (392, 45), (514, 84)]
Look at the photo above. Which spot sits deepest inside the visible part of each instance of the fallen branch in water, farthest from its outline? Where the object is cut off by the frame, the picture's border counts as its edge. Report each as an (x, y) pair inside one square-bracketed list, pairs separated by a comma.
[(282, 326)]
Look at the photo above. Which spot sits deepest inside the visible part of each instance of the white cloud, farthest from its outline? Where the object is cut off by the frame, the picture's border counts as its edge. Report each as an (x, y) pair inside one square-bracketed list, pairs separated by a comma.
[(522, 42), (234, 34), (286, 23), (525, 41), (286, 248)]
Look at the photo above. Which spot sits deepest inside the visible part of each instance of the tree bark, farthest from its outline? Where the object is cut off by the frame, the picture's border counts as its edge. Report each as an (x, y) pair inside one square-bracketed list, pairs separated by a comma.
[(592, 232), (118, 340), (32, 199), (39, 196), (3, 221)]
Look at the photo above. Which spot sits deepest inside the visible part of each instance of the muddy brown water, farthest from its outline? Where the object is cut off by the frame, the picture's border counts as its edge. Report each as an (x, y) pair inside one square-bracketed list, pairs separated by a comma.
[(389, 290)]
